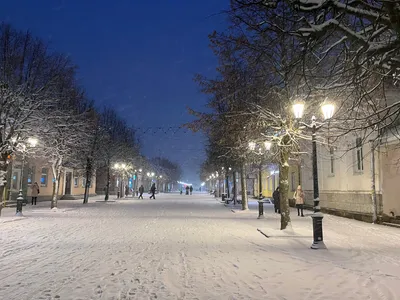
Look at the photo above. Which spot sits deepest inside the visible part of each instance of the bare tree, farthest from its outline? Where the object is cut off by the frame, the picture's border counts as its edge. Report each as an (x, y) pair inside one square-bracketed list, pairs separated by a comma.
[(28, 76)]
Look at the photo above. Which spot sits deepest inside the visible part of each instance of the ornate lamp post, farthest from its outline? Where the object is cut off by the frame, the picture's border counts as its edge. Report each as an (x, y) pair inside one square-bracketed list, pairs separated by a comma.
[(32, 142), (252, 147), (328, 111), (121, 168)]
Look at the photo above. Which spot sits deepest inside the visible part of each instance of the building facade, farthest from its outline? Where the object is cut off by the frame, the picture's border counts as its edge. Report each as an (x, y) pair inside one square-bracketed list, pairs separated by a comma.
[(22, 176)]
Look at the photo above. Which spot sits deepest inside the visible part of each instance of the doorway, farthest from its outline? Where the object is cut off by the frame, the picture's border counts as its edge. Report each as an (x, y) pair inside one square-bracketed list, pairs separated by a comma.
[(68, 181)]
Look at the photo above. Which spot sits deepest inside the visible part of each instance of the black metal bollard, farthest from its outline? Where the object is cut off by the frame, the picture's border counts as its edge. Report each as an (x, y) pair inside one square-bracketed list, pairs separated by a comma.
[(261, 209), (20, 202)]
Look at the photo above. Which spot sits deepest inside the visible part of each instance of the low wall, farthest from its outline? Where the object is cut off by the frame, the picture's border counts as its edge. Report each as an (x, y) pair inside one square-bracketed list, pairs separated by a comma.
[(353, 205)]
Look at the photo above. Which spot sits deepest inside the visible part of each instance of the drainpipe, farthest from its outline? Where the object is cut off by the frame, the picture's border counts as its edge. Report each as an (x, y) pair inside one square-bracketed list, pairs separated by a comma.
[(373, 187)]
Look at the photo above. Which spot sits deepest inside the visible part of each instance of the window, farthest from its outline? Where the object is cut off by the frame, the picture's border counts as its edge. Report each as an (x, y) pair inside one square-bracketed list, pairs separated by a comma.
[(43, 177), (359, 155), (293, 181), (31, 175), (76, 181), (83, 182), (332, 160), (15, 181)]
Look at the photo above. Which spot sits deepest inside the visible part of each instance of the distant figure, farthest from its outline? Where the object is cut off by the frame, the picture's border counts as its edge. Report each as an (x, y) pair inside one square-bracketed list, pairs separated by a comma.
[(299, 196), (153, 191), (181, 191), (187, 190), (35, 192), (277, 200), (141, 191), (126, 191), (191, 189)]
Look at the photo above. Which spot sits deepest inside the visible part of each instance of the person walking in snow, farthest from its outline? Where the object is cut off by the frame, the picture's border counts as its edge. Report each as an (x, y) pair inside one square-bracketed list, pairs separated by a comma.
[(35, 192), (277, 200), (153, 191), (191, 189), (299, 196), (187, 190), (141, 191)]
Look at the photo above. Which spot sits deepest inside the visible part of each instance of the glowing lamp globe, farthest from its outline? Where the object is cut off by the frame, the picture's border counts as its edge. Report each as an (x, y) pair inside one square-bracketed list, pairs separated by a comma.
[(267, 145), (32, 142), (328, 110), (252, 146), (298, 110)]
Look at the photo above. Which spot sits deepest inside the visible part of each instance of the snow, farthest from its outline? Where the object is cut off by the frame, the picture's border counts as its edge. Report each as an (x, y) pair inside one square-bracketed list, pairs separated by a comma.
[(189, 247)]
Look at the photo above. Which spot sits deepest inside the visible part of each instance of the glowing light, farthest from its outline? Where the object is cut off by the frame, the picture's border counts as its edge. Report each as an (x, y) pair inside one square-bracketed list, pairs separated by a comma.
[(298, 110)]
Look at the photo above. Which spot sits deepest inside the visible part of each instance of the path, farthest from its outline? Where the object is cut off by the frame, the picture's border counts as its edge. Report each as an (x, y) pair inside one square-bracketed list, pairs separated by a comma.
[(190, 247)]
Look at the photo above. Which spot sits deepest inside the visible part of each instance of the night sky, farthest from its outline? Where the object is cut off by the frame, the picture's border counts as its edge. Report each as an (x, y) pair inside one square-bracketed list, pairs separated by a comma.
[(138, 56)]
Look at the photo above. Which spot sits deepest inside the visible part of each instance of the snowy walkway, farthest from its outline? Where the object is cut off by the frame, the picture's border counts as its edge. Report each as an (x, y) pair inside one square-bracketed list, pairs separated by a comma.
[(189, 247)]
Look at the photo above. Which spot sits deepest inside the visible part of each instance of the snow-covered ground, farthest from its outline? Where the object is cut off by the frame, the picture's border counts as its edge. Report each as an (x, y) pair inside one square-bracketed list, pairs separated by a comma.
[(189, 247)]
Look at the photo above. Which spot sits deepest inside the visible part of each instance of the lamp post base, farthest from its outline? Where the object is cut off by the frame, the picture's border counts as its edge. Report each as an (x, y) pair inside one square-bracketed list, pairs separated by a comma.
[(318, 242), (20, 202), (261, 209), (319, 245)]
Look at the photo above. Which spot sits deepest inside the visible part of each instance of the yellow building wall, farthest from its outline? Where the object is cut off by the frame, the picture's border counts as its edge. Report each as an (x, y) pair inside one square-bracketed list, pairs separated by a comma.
[(46, 189), (270, 181)]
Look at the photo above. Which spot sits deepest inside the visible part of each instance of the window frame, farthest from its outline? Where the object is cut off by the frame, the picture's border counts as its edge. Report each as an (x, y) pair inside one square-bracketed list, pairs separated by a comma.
[(46, 176), (359, 163), (30, 175)]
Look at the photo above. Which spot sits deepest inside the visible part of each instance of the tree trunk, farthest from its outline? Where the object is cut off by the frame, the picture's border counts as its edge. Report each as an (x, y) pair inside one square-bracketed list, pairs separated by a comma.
[(3, 180), (284, 184), (245, 204), (56, 169), (234, 188), (54, 198), (89, 167), (107, 194), (227, 187)]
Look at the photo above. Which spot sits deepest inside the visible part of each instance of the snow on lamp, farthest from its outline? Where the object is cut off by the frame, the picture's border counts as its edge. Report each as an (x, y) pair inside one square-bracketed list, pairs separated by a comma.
[(252, 146)]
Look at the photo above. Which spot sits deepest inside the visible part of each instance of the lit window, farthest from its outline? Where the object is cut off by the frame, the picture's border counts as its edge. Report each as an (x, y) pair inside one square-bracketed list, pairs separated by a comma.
[(76, 181), (44, 176), (31, 175)]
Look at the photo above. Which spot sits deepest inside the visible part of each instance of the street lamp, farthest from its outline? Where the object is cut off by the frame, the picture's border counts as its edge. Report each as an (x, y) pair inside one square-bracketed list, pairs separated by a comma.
[(120, 168), (32, 142), (252, 147), (328, 110)]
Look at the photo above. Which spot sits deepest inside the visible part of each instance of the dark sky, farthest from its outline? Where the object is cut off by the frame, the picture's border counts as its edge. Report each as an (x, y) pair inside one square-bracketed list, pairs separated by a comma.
[(138, 56)]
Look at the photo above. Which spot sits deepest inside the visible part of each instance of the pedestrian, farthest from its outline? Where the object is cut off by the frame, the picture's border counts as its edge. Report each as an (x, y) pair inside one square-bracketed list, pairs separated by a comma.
[(299, 196), (181, 191), (191, 189), (126, 191), (141, 191), (277, 200), (187, 190), (35, 192), (153, 191)]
